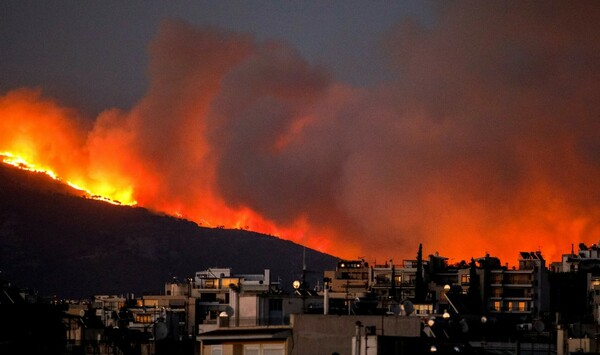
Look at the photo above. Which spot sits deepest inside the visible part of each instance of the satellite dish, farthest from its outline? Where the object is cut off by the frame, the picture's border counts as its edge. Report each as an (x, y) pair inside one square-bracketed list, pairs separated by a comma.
[(408, 307), (464, 327), (394, 309), (538, 325), (229, 311), (160, 331)]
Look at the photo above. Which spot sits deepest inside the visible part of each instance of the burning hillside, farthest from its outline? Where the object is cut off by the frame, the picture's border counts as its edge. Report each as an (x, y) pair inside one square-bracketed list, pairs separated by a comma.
[(485, 138)]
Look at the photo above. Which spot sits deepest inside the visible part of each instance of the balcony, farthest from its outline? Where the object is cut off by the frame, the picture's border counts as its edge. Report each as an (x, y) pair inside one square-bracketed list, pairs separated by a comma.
[(518, 283)]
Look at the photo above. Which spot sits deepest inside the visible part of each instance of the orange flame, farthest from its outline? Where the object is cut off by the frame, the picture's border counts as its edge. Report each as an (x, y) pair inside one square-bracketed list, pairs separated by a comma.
[(241, 134), (37, 134), (17, 161)]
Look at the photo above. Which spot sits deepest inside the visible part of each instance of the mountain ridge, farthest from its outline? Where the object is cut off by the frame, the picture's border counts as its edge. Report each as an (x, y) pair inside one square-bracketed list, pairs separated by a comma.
[(57, 241)]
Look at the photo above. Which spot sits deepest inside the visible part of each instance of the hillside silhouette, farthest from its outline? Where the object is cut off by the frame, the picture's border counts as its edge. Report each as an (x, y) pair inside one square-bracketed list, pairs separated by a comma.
[(56, 241)]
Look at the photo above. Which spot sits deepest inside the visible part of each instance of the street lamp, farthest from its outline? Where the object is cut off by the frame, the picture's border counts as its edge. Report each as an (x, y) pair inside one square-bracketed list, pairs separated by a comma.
[(483, 321), (446, 315)]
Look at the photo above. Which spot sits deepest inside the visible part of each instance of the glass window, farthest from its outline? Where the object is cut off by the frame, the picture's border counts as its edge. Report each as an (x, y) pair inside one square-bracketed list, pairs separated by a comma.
[(496, 279), (275, 305), (209, 283), (251, 350), (273, 349), (143, 318)]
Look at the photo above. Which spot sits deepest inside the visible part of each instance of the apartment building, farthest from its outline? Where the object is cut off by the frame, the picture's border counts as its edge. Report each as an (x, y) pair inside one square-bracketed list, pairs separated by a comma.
[(393, 281), (580, 271), (523, 290)]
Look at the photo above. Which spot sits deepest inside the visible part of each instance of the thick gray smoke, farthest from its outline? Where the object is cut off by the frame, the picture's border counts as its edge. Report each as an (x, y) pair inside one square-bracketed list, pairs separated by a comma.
[(485, 138)]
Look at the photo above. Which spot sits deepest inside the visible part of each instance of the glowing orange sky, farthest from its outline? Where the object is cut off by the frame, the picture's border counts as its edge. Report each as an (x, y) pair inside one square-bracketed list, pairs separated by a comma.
[(485, 141)]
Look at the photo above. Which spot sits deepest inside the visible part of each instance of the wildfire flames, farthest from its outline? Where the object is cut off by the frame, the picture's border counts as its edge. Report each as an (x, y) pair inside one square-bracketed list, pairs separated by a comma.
[(16, 161), (482, 140)]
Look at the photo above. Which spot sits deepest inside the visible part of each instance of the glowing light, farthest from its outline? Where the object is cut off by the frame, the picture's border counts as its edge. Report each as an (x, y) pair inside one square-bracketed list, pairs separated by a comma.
[(21, 163), (446, 315)]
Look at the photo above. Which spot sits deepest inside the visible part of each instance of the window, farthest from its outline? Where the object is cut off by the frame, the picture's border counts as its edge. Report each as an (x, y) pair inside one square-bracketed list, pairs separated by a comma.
[(518, 306), (514, 292), (520, 279), (423, 308), (409, 280), (465, 279), (209, 283), (251, 349), (264, 349), (143, 318), (208, 297), (497, 279), (382, 280), (273, 349), (497, 305), (275, 305), (216, 350)]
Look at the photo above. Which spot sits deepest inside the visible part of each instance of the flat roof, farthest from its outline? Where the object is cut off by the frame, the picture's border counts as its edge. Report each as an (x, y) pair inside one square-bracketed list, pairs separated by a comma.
[(251, 333)]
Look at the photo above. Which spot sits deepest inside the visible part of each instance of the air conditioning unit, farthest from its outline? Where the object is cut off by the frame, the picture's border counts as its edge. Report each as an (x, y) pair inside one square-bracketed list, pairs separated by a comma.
[(525, 326)]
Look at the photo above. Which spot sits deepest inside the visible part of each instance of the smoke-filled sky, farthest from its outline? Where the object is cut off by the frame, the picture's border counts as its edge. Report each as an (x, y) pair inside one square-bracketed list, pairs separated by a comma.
[(356, 128)]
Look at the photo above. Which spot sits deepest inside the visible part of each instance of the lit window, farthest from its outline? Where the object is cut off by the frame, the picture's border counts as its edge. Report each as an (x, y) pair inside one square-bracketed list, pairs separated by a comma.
[(518, 306), (209, 283), (143, 318)]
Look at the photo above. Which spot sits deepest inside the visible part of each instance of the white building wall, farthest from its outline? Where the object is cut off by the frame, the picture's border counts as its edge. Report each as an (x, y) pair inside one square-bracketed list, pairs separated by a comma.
[(248, 310)]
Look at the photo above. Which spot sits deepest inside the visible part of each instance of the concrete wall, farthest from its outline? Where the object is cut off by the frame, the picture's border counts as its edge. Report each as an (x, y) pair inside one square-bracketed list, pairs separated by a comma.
[(315, 334), (248, 310), (237, 348)]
